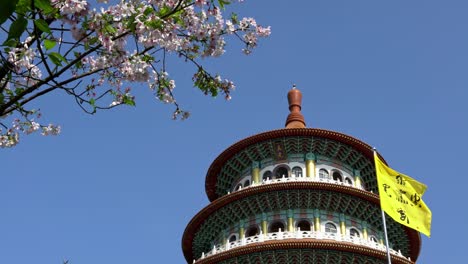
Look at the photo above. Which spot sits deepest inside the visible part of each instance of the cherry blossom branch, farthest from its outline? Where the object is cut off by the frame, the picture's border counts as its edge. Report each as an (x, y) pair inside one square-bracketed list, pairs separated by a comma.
[(96, 43), (50, 77), (65, 82)]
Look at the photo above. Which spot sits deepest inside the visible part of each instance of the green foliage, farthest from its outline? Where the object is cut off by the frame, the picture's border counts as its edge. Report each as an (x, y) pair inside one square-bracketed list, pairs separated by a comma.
[(131, 25), (234, 18), (45, 6), (128, 100), (57, 58), (49, 44), (205, 82), (79, 63), (164, 11), (16, 30), (110, 29), (23, 7), (10, 43), (223, 2), (8, 7), (42, 25), (155, 24)]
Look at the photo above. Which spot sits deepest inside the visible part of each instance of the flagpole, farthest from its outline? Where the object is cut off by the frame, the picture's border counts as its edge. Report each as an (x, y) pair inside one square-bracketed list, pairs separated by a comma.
[(384, 226), (386, 236)]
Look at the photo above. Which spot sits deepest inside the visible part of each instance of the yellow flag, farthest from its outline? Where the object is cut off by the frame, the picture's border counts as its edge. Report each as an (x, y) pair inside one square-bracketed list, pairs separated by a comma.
[(400, 198)]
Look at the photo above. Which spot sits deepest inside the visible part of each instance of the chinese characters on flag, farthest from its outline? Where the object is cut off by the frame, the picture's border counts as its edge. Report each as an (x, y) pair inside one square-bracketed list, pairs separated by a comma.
[(400, 198)]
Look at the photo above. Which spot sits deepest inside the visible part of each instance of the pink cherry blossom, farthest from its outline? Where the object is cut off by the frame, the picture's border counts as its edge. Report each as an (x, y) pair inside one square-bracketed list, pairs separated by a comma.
[(93, 51)]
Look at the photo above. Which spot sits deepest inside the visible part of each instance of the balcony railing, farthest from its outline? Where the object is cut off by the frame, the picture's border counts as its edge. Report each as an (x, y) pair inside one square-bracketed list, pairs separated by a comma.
[(299, 179), (298, 235)]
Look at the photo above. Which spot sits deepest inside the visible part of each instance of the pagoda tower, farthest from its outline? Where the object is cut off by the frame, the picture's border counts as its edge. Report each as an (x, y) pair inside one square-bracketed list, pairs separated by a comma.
[(295, 195)]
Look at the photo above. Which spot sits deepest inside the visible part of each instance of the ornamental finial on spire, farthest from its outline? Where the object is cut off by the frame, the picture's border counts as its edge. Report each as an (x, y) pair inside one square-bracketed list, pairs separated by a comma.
[(295, 118)]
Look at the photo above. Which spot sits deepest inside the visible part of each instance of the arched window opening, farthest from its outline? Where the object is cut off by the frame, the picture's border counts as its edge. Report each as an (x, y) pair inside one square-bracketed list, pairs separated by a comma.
[(323, 174), (246, 183), (275, 227), (252, 231), (238, 186), (297, 171), (267, 175), (232, 238), (304, 225), (281, 172), (354, 232), (348, 181), (330, 228), (373, 239), (337, 176)]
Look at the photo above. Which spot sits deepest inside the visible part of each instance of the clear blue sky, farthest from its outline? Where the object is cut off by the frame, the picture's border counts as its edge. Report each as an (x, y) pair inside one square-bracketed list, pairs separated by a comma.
[(119, 187)]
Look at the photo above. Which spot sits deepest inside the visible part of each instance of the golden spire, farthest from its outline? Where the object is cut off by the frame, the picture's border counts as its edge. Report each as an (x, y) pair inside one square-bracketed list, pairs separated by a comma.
[(295, 118)]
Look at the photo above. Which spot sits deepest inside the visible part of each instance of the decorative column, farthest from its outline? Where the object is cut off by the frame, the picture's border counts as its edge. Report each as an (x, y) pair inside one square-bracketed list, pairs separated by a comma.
[(226, 240), (357, 179), (290, 221), (256, 173), (264, 225), (241, 230), (364, 230), (310, 165), (343, 225), (317, 220)]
